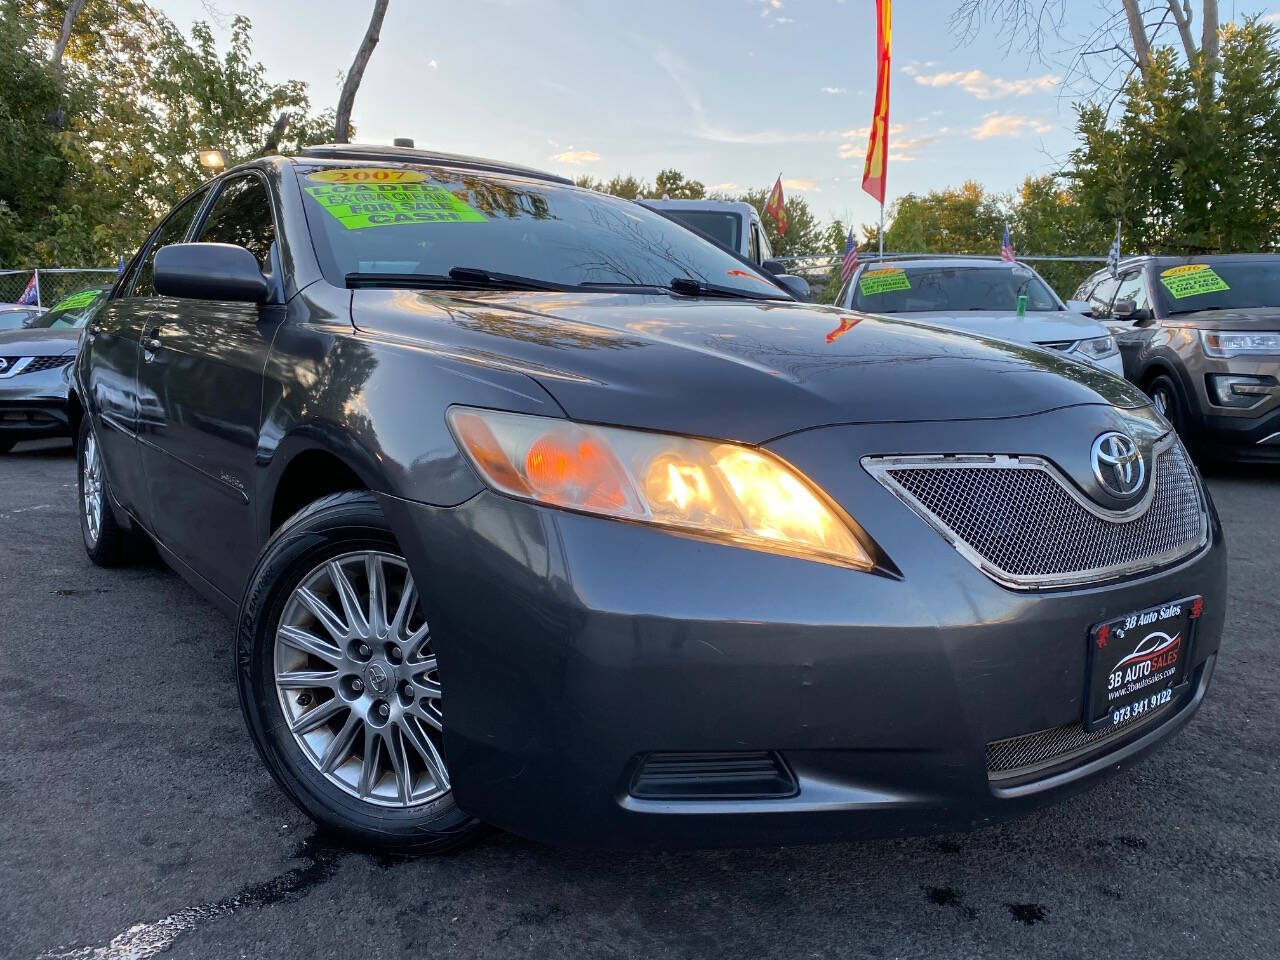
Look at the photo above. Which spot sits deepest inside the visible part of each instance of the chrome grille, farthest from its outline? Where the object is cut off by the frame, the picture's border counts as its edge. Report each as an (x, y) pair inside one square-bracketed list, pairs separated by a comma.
[(1034, 752), (1024, 524), (46, 363)]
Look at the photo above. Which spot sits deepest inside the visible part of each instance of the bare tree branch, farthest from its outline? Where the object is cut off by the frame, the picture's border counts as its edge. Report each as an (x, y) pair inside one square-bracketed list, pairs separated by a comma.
[(347, 99), (1138, 33), (272, 144), (1182, 17), (68, 21), (1209, 40)]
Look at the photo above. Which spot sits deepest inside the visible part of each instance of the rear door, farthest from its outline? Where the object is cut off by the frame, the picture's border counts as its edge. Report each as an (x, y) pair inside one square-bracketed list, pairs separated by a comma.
[(203, 360), (110, 358)]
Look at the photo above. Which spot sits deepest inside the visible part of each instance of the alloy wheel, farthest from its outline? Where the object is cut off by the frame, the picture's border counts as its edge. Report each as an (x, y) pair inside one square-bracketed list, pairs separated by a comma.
[(91, 483), (358, 683)]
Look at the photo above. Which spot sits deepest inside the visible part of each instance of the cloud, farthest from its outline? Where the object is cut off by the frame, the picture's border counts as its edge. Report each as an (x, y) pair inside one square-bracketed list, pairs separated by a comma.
[(432, 64), (1008, 125), (1270, 17), (727, 187), (703, 128), (801, 184), (835, 91), (576, 158), (984, 86), (902, 149)]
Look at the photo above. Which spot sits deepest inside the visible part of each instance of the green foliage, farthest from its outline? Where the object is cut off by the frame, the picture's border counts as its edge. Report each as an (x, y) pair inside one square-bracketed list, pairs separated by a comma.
[(140, 99), (804, 233), (1191, 165), (964, 219)]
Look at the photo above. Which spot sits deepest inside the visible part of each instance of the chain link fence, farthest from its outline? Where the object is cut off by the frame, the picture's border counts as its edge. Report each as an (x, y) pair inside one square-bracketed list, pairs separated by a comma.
[(822, 271), (53, 283)]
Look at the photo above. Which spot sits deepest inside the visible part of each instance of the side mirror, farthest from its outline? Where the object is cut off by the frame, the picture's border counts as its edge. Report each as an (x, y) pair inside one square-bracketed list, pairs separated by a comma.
[(1080, 306), (1123, 309), (776, 267), (209, 271), (798, 287)]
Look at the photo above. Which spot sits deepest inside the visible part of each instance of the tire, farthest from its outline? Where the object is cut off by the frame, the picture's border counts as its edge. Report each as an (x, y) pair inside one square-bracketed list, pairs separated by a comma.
[(106, 543), (1168, 400), (310, 704)]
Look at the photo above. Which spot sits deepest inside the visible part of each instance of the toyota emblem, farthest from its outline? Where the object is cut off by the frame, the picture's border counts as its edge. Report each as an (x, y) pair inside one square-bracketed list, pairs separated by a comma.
[(1118, 464), (4, 364)]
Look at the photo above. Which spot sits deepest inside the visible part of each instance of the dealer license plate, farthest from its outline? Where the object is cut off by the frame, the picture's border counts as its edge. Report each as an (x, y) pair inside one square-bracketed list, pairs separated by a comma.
[(1138, 662)]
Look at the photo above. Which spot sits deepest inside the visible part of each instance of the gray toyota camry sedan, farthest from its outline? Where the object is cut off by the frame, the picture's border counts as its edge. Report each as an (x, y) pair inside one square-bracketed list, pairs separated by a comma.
[(533, 508)]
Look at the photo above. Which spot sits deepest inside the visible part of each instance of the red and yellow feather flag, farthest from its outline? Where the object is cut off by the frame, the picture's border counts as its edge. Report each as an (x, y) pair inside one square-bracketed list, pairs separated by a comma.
[(874, 173), (777, 208)]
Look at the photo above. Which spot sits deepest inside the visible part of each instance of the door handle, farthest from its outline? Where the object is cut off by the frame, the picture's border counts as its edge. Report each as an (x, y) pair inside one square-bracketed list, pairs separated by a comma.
[(151, 340), (95, 329)]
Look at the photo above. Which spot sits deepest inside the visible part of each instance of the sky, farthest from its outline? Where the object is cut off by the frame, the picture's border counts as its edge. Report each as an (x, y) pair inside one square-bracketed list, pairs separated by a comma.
[(731, 92)]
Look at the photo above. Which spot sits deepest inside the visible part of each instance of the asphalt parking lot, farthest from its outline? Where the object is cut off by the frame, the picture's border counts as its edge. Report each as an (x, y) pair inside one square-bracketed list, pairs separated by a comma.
[(137, 818)]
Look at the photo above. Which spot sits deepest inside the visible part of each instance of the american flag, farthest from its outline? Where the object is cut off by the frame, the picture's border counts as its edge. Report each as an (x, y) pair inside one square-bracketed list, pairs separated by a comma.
[(850, 258), (1006, 247), (31, 295)]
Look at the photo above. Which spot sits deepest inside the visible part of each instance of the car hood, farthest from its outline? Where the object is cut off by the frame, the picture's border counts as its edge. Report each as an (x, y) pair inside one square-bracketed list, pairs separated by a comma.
[(1055, 327), (55, 342), (737, 370), (1256, 318)]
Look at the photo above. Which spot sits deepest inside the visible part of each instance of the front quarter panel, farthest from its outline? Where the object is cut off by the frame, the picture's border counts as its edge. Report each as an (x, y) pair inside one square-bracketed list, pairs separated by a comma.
[(376, 402)]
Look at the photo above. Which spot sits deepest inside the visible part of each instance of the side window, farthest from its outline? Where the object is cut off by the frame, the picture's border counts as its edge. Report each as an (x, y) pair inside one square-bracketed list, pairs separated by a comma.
[(1103, 294), (242, 215), (753, 244), (766, 251), (173, 230), (1133, 287), (1085, 289)]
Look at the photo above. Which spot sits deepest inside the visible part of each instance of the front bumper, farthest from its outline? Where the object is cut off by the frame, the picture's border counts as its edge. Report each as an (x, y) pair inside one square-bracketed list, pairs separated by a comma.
[(33, 405), (572, 648)]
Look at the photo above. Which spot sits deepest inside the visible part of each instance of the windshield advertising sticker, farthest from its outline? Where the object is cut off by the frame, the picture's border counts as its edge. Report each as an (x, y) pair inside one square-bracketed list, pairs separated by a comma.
[(1192, 280), (875, 282), (367, 175), (81, 299), (1138, 662), (360, 205)]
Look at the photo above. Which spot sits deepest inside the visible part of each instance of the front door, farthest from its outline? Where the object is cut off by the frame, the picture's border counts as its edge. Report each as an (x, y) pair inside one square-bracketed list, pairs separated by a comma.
[(204, 361), (112, 341)]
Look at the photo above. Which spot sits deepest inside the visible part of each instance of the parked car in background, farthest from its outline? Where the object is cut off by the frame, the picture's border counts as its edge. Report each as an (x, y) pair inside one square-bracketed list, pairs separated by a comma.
[(33, 364), (1201, 335), (14, 315), (736, 226), (981, 296), (535, 508)]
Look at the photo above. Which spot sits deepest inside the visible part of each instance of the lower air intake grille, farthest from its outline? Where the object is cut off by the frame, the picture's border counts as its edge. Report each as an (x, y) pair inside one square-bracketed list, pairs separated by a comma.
[(713, 776), (1033, 752), (1024, 524)]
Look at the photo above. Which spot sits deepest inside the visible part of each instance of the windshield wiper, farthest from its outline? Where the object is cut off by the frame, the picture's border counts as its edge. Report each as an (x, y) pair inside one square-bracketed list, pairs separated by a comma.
[(458, 278), (689, 287), (1179, 313)]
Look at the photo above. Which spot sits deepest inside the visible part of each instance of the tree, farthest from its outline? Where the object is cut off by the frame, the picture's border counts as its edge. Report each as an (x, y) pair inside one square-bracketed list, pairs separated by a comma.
[(1117, 48), (1183, 168), (671, 184), (347, 98), (964, 219), (140, 99), (628, 187)]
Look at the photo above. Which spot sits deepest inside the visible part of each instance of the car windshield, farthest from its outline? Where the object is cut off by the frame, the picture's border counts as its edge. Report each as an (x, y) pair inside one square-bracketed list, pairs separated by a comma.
[(1224, 285), (72, 311), (723, 228), (897, 289), (11, 319), (410, 221)]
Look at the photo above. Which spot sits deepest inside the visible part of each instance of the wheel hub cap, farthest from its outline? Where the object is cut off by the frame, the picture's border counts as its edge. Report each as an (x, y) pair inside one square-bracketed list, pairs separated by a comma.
[(357, 680)]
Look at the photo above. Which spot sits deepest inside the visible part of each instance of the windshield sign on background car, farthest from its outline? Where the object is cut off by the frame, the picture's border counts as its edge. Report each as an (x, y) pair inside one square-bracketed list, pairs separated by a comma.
[(428, 221), (1242, 285), (72, 311), (950, 290)]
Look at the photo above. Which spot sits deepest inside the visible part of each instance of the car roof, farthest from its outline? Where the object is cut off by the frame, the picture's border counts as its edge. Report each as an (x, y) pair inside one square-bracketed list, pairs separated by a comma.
[(939, 262), (712, 206), (372, 153)]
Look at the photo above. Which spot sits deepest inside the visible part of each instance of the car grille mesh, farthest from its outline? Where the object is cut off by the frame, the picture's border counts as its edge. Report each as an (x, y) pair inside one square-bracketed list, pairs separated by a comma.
[(36, 364), (1022, 522), (1031, 753)]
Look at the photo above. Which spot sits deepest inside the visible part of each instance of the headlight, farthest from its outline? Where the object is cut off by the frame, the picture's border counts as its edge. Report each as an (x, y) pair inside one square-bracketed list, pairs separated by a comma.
[(1218, 343), (719, 491), (1098, 348)]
